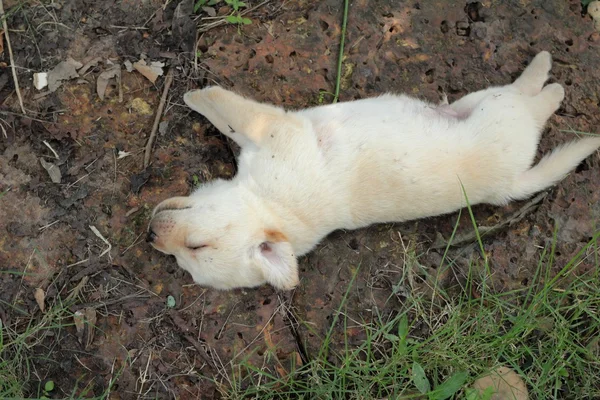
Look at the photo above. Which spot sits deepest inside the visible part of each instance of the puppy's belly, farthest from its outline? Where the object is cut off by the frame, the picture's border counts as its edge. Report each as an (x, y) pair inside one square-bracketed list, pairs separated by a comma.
[(385, 189)]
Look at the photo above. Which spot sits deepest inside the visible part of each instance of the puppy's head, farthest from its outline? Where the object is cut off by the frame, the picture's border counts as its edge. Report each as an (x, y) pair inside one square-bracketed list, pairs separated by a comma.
[(222, 241)]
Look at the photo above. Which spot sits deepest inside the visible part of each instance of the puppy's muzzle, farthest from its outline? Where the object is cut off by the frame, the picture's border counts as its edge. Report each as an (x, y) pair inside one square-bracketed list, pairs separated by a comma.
[(151, 236)]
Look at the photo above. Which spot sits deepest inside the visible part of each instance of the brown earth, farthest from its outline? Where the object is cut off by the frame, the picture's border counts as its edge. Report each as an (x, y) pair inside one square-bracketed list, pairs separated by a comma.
[(287, 56)]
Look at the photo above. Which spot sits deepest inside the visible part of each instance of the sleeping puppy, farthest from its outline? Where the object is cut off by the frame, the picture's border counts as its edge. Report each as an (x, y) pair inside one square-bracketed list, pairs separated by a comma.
[(303, 174)]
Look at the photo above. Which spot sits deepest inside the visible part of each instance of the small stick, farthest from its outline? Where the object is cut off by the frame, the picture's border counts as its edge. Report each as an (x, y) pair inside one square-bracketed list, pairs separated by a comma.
[(159, 111), (10, 55)]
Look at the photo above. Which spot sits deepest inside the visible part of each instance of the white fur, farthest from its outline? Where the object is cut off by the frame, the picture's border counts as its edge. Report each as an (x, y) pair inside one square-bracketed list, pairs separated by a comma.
[(391, 158)]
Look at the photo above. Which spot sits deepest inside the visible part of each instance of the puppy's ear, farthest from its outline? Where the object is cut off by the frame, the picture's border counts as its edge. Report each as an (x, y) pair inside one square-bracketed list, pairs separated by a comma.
[(276, 259)]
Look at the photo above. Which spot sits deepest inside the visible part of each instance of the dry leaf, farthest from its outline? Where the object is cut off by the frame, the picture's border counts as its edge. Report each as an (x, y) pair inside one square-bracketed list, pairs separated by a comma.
[(1, 41), (92, 63), (64, 71), (152, 71), (507, 385), (85, 324), (40, 296), (104, 77), (79, 320), (52, 169), (128, 65), (210, 11), (91, 319)]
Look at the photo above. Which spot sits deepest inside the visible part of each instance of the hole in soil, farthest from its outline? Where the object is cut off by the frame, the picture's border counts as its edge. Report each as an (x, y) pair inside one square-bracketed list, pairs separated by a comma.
[(568, 82), (472, 10), (267, 301), (532, 43), (417, 6), (444, 27), (569, 42), (252, 54), (239, 334), (221, 48), (525, 282), (567, 50), (353, 244), (558, 253), (583, 166), (324, 25), (513, 260), (293, 54), (269, 59), (429, 78)]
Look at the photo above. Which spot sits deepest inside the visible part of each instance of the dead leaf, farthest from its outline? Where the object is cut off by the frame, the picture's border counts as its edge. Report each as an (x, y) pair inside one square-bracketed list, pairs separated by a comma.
[(128, 65), (85, 324), (79, 320), (92, 63), (40, 296), (162, 127), (152, 71), (105, 77), (507, 385), (64, 71), (1, 41), (210, 11), (52, 170), (91, 319)]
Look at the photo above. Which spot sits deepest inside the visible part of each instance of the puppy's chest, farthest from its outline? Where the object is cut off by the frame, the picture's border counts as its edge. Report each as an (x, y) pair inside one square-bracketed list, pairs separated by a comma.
[(327, 135)]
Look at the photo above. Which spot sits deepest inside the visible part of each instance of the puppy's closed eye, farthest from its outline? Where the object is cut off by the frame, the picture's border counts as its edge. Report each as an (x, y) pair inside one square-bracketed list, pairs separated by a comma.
[(199, 247)]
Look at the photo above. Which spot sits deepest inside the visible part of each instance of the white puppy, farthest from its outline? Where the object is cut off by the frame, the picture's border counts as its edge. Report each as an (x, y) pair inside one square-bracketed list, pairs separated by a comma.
[(304, 174)]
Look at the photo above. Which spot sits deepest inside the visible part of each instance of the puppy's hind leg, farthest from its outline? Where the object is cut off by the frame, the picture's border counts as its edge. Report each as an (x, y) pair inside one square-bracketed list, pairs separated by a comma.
[(535, 75), (553, 167), (544, 104)]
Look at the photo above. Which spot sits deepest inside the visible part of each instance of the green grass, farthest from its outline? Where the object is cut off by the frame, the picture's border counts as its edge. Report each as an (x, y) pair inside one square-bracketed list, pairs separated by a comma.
[(18, 356), (549, 333), (17, 342), (338, 78)]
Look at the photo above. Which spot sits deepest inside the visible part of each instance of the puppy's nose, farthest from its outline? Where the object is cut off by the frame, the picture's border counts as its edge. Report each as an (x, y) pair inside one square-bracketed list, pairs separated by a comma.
[(151, 236)]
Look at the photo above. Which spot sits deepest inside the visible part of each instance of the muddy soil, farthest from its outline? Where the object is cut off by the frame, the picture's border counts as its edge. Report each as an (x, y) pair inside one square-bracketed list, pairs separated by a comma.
[(141, 346)]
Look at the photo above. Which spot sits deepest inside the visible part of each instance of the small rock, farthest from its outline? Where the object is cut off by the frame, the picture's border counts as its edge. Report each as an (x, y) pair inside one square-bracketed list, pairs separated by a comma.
[(40, 80)]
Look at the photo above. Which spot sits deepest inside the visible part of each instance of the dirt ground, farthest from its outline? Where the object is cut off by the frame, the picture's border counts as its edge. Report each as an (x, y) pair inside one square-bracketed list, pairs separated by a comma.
[(142, 346)]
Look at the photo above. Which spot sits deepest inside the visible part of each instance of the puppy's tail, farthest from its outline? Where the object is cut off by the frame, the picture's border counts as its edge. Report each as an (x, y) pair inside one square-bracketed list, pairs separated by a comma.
[(554, 167)]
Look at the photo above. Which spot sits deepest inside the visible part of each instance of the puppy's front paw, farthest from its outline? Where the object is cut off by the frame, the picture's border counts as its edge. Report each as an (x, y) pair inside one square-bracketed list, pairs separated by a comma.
[(196, 100)]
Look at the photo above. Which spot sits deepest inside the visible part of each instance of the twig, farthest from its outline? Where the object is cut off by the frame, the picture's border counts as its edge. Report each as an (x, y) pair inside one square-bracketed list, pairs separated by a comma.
[(97, 233), (470, 237), (50, 147), (159, 111), (10, 55), (341, 53)]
